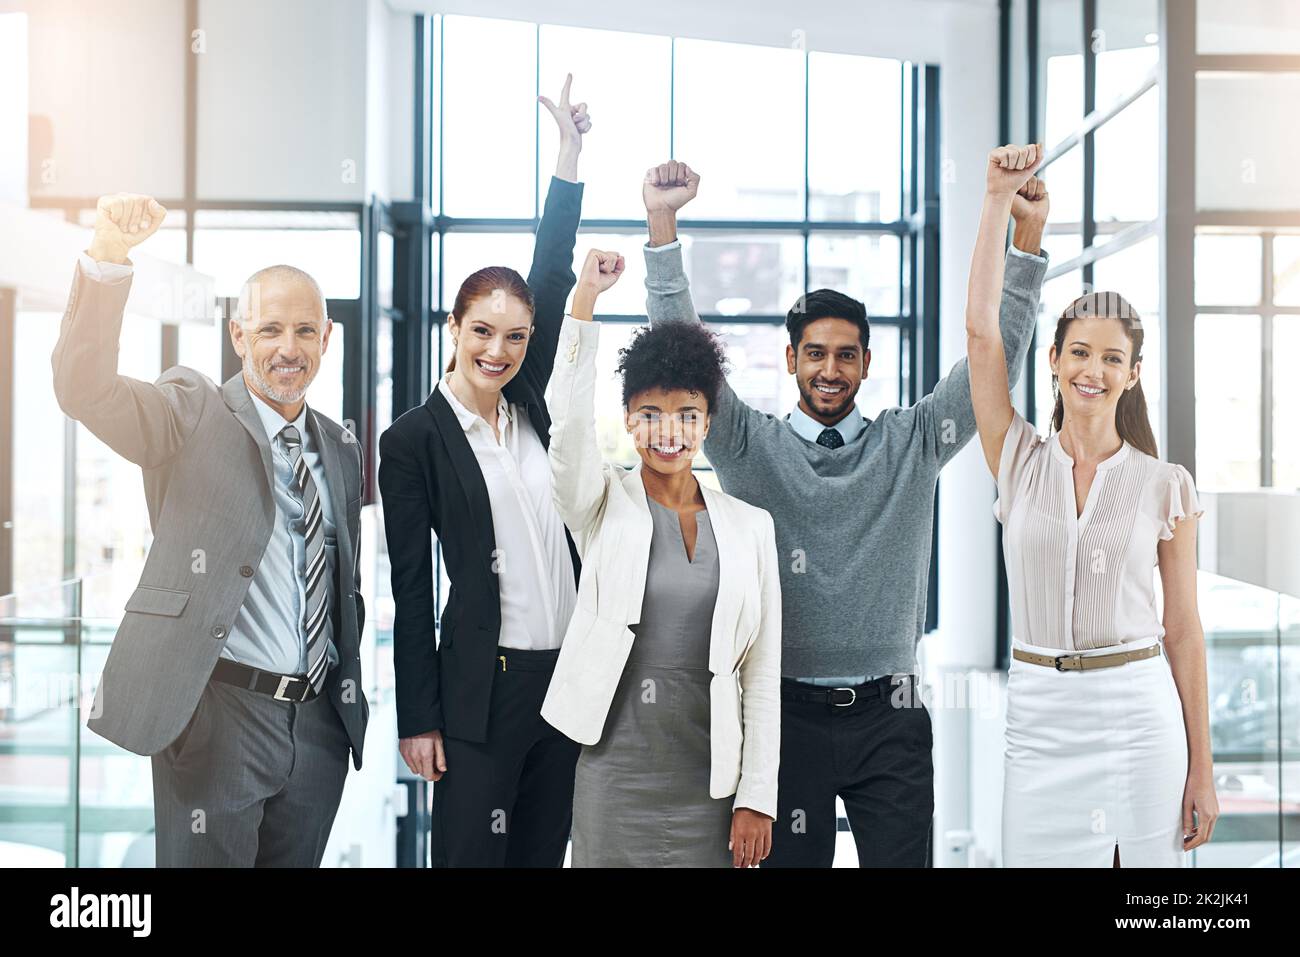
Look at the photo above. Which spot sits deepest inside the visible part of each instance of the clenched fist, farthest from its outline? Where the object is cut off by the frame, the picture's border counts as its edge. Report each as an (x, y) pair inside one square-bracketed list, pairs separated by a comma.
[(1031, 202), (1011, 166), (601, 270), (669, 186), (123, 221)]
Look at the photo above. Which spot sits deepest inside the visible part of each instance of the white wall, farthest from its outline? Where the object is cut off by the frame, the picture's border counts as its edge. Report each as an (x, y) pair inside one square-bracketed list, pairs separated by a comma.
[(282, 100), (106, 75), (13, 109)]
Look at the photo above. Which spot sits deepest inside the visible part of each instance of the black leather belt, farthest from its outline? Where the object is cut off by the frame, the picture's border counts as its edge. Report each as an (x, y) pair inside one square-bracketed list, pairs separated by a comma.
[(280, 687), (792, 690)]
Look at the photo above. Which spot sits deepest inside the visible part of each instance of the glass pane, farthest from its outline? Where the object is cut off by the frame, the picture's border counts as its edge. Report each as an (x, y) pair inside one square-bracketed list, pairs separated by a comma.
[(1127, 182), (1245, 673), (490, 117), (1227, 406), (1244, 152), (38, 429), (326, 395), (1060, 69), (1062, 243), (627, 297), (1286, 270), (881, 388), (1064, 179), (199, 347), (467, 252), (1227, 269), (1127, 46), (1286, 404), (625, 76), (733, 103), (862, 266), (1247, 26), (734, 274), (231, 246), (1135, 274), (854, 133)]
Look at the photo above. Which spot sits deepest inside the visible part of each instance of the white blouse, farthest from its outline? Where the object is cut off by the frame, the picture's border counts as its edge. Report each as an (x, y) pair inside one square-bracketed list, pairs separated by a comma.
[(532, 560), (1087, 581)]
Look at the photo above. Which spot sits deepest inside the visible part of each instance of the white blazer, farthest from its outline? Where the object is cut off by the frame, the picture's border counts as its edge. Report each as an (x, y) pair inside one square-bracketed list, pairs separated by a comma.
[(605, 508)]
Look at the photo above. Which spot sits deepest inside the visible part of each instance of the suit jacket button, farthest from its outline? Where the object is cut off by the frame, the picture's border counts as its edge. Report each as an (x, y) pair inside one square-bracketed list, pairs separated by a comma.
[(219, 631), (246, 571)]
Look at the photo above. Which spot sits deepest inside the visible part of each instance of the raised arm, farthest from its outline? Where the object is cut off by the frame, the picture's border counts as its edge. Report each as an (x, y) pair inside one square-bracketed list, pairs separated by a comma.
[(144, 422), (947, 414), (666, 189), (1010, 170), (578, 478), (551, 275)]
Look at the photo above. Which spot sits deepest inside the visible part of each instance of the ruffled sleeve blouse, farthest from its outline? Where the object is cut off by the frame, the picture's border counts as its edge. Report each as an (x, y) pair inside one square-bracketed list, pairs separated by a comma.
[(1081, 581)]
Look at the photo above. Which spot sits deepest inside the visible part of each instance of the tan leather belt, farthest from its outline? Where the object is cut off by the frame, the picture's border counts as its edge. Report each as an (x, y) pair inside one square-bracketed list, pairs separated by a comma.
[(1077, 662)]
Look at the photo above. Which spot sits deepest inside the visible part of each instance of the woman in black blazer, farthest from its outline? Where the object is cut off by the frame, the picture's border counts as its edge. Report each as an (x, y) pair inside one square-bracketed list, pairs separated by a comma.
[(471, 465)]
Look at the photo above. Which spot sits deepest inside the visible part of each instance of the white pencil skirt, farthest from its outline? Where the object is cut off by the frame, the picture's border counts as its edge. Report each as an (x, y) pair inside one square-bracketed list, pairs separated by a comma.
[(1094, 760)]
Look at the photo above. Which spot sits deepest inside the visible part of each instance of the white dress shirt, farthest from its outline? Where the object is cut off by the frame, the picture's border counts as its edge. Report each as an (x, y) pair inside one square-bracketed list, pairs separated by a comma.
[(532, 560)]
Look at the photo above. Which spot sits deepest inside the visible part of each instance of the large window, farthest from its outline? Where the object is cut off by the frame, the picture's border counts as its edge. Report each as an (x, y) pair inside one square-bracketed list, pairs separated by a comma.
[(803, 183), (1097, 104), (814, 171)]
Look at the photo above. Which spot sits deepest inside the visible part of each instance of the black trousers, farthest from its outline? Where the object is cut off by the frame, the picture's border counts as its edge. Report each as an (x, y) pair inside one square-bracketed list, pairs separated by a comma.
[(875, 754), (508, 801)]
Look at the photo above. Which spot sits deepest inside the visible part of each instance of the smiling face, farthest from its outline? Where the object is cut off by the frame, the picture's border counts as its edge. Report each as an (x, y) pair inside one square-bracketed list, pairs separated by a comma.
[(1094, 366), (667, 426), (829, 367), (491, 340), (281, 331)]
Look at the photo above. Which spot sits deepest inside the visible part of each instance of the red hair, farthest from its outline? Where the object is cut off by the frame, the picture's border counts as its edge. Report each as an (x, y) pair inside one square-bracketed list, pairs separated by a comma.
[(491, 282)]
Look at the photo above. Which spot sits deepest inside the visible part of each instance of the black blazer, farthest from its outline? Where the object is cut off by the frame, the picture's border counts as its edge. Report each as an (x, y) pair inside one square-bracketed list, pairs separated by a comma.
[(429, 479)]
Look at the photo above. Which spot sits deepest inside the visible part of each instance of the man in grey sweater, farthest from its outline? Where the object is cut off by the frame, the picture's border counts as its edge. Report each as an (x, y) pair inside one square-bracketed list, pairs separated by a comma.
[(852, 499)]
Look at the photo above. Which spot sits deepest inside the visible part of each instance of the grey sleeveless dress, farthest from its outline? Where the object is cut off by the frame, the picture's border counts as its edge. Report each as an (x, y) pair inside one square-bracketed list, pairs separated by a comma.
[(641, 794)]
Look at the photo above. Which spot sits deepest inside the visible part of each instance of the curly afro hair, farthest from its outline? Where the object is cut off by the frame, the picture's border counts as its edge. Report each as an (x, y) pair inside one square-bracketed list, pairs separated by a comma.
[(673, 356)]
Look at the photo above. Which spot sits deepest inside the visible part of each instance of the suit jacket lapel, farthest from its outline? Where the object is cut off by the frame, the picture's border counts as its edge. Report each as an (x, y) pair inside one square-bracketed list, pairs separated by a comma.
[(470, 475), (235, 393), (730, 588)]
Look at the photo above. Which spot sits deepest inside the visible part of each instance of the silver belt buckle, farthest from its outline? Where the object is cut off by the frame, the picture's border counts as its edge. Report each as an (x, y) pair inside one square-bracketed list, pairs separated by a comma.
[(846, 704), (279, 692)]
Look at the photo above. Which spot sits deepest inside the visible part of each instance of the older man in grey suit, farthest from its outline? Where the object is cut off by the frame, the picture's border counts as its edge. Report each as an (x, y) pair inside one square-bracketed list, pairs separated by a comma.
[(237, 664)]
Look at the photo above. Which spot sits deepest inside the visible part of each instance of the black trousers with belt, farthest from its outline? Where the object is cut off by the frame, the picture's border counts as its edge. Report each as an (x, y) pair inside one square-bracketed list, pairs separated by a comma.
[(872, 748), (508, 801)]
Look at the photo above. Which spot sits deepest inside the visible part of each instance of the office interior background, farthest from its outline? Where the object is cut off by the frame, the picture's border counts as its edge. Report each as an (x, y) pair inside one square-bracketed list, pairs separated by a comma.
[(391, 147)]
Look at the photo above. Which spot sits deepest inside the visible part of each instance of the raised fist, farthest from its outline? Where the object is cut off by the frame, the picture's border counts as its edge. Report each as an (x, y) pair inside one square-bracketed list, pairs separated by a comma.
[(1031, 202), (1011, 166), (601, 270), (669, 186), (123, 221)]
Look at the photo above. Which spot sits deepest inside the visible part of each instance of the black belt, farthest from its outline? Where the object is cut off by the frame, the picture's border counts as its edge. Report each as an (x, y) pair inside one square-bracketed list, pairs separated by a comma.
[(842, 697), (280, 687)]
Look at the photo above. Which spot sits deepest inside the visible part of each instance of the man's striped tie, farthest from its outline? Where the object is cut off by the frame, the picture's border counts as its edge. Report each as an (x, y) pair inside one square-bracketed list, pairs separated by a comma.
[(315, 615)]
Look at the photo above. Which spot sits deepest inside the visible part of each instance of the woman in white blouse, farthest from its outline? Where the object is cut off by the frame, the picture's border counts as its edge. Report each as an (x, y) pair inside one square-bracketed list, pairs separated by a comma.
[(1108, 742)]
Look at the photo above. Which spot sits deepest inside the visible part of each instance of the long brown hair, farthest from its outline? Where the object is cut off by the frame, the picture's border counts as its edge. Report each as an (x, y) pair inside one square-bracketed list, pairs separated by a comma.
[(1131, 418), (491, 282)]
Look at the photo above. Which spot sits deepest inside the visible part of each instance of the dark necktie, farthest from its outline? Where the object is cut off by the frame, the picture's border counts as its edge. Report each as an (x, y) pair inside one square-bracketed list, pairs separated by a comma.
[(830, 438), (317, 588)]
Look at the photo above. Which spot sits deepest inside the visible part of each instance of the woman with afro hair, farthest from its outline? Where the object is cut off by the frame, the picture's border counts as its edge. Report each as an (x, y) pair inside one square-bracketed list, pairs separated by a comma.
[(669, 673)]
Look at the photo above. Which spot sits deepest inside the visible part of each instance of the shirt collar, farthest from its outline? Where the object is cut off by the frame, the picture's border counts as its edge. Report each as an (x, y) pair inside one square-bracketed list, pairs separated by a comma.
[(464, 416), (849, 427), (273, 421)]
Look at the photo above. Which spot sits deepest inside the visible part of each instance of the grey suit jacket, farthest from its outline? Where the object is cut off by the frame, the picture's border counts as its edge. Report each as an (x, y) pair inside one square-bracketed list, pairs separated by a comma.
[(207, 476)]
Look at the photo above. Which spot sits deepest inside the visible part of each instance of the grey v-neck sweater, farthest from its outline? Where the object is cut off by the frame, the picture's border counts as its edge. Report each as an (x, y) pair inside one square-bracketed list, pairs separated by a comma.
[(853, 524)]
